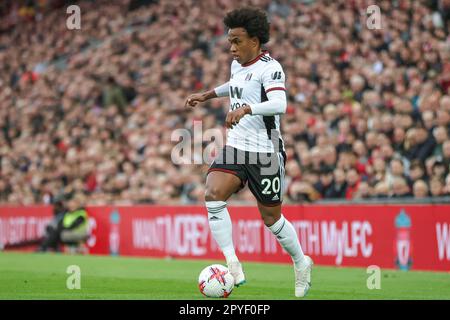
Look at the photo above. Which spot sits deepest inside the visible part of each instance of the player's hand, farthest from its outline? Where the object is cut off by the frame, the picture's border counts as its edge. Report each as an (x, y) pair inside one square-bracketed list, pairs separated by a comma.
[(194, 99), (233, 117)]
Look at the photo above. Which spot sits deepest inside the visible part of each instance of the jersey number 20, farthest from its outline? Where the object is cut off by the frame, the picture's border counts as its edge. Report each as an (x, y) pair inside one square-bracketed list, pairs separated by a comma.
[(267, 183)]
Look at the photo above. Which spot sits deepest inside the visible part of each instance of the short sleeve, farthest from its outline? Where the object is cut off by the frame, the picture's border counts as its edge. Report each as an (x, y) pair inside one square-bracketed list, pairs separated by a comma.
[(273, 78)]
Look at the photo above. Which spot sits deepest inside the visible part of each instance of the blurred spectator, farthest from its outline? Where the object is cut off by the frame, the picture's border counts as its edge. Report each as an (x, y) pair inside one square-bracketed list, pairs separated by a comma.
[(420, 144), (447, 186), (352, 180), (338, 186), (400, 188), (437, 187), (303, 192), (325, 181), (439, 169), (446, 154), (440, 135), (416, 172), (420, 189), (113, 94), (396, 170), (363, 191), (381, 190)]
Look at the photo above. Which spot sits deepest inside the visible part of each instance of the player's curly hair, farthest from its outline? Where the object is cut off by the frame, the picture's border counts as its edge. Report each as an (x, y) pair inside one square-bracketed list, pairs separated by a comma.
[(252, 19)]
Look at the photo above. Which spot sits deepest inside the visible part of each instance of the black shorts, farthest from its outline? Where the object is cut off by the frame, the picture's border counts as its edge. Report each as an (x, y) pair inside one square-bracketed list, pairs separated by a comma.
[(264, 172)]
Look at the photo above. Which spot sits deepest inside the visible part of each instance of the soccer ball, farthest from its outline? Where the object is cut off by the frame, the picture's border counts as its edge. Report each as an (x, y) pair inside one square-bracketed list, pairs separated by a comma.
[(216, 281)]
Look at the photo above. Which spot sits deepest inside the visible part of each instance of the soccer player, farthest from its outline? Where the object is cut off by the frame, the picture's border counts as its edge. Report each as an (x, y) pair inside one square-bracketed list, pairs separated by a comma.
[(254, 152)]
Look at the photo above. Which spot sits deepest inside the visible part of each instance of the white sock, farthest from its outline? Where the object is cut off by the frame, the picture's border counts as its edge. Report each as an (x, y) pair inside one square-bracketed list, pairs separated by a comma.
[(287, 237), (221, 228)]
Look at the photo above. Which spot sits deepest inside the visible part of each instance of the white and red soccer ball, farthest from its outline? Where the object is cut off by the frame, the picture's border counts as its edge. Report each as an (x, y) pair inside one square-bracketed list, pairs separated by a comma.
[(216, 281)]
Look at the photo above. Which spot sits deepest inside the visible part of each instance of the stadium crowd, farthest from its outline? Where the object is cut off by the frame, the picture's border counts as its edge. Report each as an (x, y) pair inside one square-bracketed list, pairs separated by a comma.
[(92, 111)]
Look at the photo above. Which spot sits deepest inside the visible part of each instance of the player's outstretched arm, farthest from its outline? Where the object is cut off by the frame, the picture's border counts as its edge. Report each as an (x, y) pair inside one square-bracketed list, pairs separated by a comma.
[(194, 99)]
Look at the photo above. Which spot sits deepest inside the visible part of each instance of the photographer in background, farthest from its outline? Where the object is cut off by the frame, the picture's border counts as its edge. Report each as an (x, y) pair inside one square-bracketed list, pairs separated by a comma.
[(69, 226)]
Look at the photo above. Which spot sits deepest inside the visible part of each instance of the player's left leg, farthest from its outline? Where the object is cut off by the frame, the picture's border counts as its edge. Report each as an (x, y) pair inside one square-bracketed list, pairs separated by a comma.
[(283, 230), (288, 239), (266, 181)]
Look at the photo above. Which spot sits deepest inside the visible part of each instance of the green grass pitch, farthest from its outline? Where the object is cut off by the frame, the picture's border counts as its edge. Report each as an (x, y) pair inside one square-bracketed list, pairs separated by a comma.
[(43, 276)]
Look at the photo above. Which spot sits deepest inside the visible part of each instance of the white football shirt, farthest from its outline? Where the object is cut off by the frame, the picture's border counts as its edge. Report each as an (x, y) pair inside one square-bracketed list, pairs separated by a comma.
[(249, 84)]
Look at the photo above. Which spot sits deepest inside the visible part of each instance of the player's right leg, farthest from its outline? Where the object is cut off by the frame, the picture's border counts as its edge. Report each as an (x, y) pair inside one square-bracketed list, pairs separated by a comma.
[(220, 185)]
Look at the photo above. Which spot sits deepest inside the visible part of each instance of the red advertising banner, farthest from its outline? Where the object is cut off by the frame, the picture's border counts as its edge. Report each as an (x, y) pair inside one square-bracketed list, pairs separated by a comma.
[(405, 237), (23, 224), (395, 236)]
